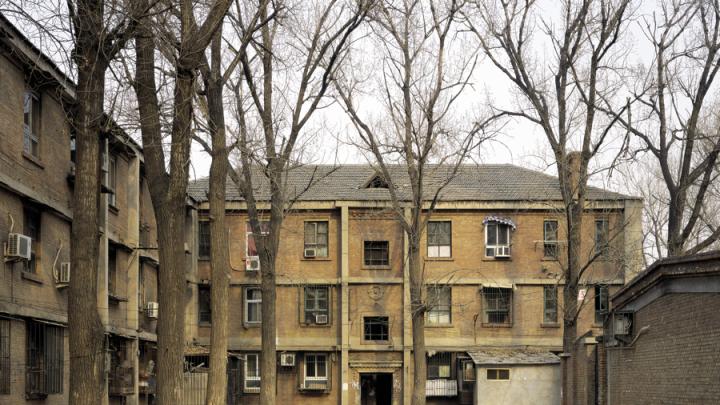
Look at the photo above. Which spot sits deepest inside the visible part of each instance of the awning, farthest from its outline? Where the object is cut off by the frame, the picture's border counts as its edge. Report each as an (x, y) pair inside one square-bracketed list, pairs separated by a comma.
[(511, 356), (500, 220), (493, 284)]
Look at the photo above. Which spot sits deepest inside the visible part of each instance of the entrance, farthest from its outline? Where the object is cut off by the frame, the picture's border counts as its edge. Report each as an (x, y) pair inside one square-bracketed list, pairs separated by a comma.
[(376, 388)]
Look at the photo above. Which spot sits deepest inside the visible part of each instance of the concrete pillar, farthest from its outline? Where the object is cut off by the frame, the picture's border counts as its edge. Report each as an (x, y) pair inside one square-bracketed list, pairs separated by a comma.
[(344, 308)]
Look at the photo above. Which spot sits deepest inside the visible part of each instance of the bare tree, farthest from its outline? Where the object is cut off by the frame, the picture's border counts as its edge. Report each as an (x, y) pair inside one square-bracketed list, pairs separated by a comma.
[(168, 184), (674, 117), (417, 148), (560, 96), (297, 59)]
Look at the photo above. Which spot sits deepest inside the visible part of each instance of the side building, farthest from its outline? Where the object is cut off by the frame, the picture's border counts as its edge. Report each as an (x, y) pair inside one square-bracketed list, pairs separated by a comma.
[(492, 267), (36, 185)]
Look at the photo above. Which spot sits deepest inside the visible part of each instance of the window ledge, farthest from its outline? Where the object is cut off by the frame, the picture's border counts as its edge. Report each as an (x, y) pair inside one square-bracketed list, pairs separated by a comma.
[(252, 324), (554, 325), (316, 259), (203, 258), (113, 209), (440, 259), (497, 325), (315, 325), (365, 267), (549, 259), (204, 324), (438, 325), (116, 298), (496, 259), (34, 160), (35, 278)]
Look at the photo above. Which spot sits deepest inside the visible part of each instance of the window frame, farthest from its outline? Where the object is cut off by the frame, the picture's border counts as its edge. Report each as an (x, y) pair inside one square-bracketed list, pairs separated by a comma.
[(317, 245), (437, 245), (386, 249), (463, 375), (434, 364), (550, 320), (307, 361), (493, 247), (602, 238), (496, 298), (497, 374), (377, 320), (602, 302), (550, 245), (204, 294), (31, 131), (256, 377), (316, 310), (112, 271), (254, 301), (264, 230), (32, 228), (435, 312), (111, 179), (45, 358), (204, 237)]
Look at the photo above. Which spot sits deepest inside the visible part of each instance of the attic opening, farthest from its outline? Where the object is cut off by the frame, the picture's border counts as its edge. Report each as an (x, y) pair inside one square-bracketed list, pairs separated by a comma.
[(376, 181)]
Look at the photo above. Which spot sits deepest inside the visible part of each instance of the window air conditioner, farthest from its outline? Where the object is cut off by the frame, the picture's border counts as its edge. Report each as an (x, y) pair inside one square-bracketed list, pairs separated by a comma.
[(622, 324), (321, 319), (287, 359), (309, 253), (152, 309), (18, 247), (252, 263), (64, 276)]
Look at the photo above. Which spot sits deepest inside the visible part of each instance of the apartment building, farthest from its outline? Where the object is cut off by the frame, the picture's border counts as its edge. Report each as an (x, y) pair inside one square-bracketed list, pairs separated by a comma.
[(36, 185), (492, 263)]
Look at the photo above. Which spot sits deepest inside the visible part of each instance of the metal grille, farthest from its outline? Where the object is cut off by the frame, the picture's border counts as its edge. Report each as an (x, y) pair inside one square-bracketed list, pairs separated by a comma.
[(4, 356), (45, 358), (550, 238), (204, 308), (439, 365), (377, 253), (376, 328), (204, 239), (498, 304)]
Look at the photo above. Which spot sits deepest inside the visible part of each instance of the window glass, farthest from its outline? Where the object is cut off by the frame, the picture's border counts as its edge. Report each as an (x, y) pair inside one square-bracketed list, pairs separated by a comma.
[(550, 238), (439, 366), (602, 236), (251, 248), (31, 121), (376, 328), (316, 237), (376, 253), (204, 238), (252, 372), (439, 303), (439, 239), (316, 303), (253, 305), (550, 304), (204, 307), (497, 303), (601, 302)]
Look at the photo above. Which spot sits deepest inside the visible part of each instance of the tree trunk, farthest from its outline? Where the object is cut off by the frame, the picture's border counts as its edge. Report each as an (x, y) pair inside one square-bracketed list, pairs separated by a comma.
[(219, 256), (418, 322), (85, 328), (86, 334)]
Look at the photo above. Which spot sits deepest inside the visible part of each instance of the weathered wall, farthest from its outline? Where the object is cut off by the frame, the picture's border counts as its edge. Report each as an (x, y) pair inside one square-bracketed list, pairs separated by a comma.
[(528, 385)]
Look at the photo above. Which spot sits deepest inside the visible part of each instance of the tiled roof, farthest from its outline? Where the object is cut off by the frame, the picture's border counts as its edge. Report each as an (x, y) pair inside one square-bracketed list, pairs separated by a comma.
[(498, 356), (501, 182)]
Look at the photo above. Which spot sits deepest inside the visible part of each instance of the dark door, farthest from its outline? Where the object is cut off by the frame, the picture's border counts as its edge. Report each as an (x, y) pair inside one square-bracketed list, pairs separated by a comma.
[(376, 389)]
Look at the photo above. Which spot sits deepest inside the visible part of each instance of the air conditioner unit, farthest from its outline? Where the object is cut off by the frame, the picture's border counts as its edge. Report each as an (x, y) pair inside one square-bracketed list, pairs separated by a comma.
[(64, 276), (502, 251), (252, 263), (152, 309), (622, 324), (18, 247), (309, 252), (287, 359), (321, 319)]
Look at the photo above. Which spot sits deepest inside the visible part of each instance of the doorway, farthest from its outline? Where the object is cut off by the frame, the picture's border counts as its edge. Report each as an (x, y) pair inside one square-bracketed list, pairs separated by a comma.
[(376, 388)]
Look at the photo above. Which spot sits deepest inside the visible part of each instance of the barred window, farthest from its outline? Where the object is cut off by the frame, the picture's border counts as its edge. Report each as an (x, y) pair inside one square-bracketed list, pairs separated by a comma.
[(377, 253), (439, 239), (376, 328), (439, 304), (498, 305), (438, 366), (316, 303), (252, 372), (204, 239), (550, 238), (550, 304), (204, 304), (44, 359), (316, 237), (4, 356)]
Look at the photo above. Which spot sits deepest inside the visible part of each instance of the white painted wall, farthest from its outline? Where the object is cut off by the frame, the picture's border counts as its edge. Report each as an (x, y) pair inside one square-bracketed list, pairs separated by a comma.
[(528, 385)]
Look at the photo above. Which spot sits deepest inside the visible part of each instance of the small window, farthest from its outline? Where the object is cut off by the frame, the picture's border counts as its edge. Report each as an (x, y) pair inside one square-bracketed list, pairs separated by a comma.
[(550, 238), (377, 253), (438, 366), (550, 304), (497, 239), (44, 359), (253, 305), (204, 239), (602, 237), (32, 218), (31, 124), (601, 303), (204, 307), (252, 372), (439, 239), (316, 368), (468, 370), (498, 374), (112, 271), (439, 304), (4, 356), (498, 304), (317, 304), (376, 328), (316, 238), (251, 248)]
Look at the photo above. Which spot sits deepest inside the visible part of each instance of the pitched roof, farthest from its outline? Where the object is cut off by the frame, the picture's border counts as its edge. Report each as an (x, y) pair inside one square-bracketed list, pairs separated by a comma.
[(498, 356), (496, 182)]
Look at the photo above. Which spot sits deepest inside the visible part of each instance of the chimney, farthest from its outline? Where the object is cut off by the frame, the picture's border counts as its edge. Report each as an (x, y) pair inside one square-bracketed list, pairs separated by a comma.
[(574, 159)]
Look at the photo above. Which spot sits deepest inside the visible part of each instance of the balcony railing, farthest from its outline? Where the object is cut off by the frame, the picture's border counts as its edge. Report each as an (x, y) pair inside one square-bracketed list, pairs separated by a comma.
[(441, 388)]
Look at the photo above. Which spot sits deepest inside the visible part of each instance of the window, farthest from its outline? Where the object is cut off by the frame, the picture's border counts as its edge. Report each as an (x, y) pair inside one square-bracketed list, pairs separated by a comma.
[(497, 239), (31, 228), (498, 374), (439, 301), (204, 239), (601, 303), (550, 304), (376, 328), (44, 359), (252, 372), (377, 182), (439, 239), (204, 308), (251, 247), (438, 366), (112, 272), (316, 304), (253, 305), (121, 374), (498, 304), (602, 237), (468, 370), (316, 238), (112, 180), (31, 124), (377, 253), (316, 370), (550, 238), (4, 356)]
